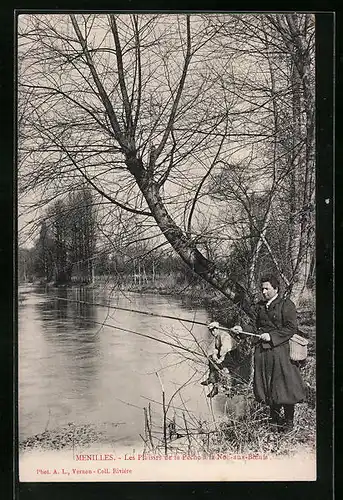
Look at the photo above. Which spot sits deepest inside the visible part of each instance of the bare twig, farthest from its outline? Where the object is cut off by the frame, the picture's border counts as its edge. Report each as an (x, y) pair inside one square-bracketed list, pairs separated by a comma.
[(164, 416)]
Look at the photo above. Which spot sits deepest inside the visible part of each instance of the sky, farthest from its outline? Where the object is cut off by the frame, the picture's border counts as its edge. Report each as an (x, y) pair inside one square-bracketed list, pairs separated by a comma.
[(188, 176)]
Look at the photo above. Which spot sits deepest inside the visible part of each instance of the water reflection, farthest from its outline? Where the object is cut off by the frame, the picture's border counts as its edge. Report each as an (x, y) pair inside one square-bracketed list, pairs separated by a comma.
[(71, 304), (72, 369), (60, 371)]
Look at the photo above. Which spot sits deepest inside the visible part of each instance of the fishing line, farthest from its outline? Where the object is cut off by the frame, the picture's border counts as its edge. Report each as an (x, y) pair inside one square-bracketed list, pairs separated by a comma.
[(147, 313), (140, 335)]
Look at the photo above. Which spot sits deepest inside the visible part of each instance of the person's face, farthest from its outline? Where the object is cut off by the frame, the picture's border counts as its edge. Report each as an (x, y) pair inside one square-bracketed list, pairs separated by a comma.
[(214, 332), (268, 291)]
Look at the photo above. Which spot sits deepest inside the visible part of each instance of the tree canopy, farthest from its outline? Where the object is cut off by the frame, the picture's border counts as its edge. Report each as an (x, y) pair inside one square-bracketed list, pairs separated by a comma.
[(198, 127)]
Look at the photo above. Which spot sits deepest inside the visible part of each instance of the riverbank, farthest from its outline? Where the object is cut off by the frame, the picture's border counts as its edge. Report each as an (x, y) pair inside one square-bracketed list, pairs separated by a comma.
[(248, 432), (242, 429), (71, 436)]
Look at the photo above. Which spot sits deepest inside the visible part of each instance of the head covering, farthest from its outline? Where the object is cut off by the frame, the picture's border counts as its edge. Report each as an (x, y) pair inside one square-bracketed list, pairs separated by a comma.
[(213, 325)]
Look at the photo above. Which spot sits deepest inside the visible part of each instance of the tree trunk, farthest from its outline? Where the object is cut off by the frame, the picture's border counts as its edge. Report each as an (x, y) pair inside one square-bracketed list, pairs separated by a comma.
[(182, 244)]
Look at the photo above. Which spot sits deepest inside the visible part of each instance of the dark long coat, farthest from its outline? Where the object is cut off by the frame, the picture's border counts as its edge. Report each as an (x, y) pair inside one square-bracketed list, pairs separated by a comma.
[(277, 380)]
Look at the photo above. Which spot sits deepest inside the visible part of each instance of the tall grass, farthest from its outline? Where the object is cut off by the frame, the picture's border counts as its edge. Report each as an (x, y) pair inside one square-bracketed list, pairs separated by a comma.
[(243, 429)]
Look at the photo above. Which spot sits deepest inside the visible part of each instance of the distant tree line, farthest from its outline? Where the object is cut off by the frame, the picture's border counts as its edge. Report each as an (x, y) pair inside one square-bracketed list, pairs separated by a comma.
[(66, 244), (140, 266), (67, 250)]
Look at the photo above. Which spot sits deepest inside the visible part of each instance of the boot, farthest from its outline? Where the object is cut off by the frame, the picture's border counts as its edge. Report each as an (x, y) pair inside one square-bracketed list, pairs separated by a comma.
[(214, 392), (275, 419), (275, 414), (288, 426), (289, 418)]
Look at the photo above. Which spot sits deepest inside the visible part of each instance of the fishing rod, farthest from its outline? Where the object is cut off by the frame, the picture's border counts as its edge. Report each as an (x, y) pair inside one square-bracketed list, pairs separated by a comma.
[(147, 313), (142, 335), (156, 315), (150, 337), (241, 331)]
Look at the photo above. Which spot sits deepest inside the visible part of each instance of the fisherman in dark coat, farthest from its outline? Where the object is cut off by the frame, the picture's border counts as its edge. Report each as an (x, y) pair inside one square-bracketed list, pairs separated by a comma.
[(277, 380)]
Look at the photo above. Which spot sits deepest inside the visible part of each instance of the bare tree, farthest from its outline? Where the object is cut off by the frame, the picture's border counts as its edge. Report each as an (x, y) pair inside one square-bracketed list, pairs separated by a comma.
[(143, 108), (281, 171)]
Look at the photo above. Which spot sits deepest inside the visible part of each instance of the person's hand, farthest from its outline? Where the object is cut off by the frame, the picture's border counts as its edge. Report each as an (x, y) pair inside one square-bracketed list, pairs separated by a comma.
[(265, 337), (237, 329)]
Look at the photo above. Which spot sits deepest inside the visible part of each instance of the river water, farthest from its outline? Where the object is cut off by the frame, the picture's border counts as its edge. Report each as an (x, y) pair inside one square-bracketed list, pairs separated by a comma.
[(74, 370)]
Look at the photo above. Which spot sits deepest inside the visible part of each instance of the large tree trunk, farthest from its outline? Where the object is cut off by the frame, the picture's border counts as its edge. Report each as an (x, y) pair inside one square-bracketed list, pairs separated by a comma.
[(182, 244)]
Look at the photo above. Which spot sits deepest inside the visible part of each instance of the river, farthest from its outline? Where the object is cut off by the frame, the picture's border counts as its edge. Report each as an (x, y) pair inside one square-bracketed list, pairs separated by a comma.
[(72, 369)]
